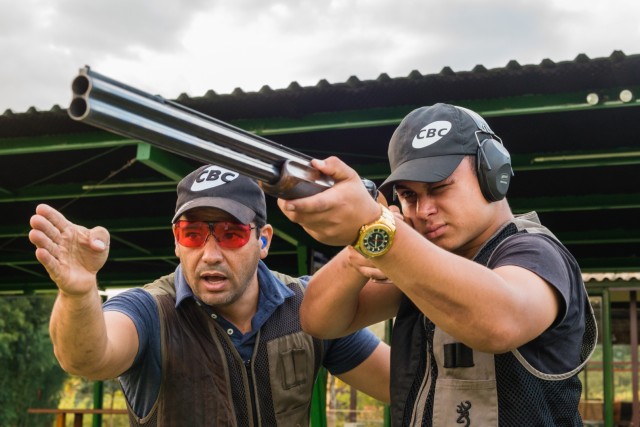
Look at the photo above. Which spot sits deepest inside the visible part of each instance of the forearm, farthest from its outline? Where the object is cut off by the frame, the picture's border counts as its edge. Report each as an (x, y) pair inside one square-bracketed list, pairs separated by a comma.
[(330, 303), (373, 375), (78, 332), (465, 299), (340, 299)]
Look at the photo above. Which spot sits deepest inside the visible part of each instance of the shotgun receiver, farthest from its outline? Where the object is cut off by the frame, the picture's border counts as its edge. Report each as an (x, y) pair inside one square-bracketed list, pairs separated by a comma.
[(113, 106)]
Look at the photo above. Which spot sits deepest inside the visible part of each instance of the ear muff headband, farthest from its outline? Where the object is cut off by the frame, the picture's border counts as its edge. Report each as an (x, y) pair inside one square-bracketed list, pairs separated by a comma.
[(492, 160)]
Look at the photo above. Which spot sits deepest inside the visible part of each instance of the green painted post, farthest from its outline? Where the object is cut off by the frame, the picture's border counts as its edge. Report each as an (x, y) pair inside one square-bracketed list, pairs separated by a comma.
[(303, 259), (387, 338), (607, 359), (98, 394), (319, 400)]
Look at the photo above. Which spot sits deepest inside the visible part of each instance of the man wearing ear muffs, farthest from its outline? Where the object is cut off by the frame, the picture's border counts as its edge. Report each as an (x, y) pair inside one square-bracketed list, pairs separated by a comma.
[(493, 321)]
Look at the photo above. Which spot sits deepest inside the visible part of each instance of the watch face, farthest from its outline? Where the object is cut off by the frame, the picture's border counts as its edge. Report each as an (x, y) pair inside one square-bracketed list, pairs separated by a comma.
[(376, 240)]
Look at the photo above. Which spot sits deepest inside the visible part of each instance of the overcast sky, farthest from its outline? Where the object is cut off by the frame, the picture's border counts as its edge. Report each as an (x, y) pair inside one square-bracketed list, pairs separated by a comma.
[(172, 46)]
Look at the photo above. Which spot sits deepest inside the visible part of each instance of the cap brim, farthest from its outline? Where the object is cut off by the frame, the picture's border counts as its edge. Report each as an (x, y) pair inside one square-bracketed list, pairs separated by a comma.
[(239, 211), (426, 169)]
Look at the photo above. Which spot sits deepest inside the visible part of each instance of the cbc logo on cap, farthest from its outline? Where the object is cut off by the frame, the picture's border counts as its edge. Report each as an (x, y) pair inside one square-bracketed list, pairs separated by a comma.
[(431, 133), (213, 176)]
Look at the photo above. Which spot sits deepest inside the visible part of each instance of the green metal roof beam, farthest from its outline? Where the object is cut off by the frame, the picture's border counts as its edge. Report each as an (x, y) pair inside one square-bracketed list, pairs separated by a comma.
[(128, 279), (173, 167), (598, 237), (536, 104), (610, 265), (169, 165), (575, 203), (539, 161), (283, 230), (566, 160), (511, 106), (118, 255), (47, 144), (76, 191)]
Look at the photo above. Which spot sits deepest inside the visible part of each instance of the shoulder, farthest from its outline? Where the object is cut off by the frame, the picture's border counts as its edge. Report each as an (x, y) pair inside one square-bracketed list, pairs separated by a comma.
[(130, 300), (140, 307), (286, 281), (546, 257), (344, 354), (165, 285), (533, 251)]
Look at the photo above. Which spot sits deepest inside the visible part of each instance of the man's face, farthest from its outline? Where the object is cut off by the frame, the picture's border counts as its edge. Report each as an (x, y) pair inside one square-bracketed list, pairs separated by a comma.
[(220, 276), (451, 213)]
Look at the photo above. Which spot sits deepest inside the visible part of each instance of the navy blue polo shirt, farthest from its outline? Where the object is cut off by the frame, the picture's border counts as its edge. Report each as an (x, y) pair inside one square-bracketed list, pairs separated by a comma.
[(141, 383)]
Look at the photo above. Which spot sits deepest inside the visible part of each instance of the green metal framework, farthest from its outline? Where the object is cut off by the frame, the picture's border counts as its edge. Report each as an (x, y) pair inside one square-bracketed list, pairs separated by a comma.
[(297, 245)]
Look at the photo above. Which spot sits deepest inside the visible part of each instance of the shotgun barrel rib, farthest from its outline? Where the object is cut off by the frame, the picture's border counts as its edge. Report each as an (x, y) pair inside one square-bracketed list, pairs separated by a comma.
[(124, 110)]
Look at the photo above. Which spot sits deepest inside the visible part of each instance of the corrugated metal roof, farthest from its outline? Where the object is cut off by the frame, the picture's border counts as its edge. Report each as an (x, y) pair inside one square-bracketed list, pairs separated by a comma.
[(610, 277)]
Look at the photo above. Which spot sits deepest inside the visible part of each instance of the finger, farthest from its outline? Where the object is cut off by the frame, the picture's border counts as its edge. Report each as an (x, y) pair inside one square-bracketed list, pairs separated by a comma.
[(49, 262), (317, 203), (335, 168), (382, 200), (397, 214), (395, 209), (42, 235), (53, 216), (38, 237), (45, 227), (99, 239), (373, 273), (288, 208), (325, 201)]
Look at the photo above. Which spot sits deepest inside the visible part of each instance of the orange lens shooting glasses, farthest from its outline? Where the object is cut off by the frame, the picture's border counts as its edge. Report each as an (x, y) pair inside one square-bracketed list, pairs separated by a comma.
[(228, 235)]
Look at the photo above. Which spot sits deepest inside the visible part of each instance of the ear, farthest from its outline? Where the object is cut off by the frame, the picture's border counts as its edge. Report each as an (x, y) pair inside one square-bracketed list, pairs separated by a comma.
[(176, 248), (264, 240)]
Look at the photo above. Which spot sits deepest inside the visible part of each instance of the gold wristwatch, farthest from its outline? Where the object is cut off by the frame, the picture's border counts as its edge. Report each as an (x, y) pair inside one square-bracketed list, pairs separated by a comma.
[(375, 239)]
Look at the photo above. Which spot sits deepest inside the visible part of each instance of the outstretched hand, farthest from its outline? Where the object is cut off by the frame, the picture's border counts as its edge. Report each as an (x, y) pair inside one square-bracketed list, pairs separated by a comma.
[(334, 216), (71, 254)]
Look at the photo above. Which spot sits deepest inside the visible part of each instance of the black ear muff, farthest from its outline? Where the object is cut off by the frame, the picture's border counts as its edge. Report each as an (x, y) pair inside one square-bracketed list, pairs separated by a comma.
[(494, 169), (492, 159)]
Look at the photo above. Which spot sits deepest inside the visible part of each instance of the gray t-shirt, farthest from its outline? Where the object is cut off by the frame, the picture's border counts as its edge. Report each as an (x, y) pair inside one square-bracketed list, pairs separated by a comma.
[(557, 350)]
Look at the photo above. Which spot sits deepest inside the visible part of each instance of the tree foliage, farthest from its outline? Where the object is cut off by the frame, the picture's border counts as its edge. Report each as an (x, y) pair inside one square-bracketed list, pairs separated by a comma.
[(30, 376)]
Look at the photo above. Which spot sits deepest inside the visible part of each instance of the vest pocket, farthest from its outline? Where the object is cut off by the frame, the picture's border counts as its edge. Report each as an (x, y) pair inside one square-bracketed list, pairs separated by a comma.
[(291, 369), (465, 403)]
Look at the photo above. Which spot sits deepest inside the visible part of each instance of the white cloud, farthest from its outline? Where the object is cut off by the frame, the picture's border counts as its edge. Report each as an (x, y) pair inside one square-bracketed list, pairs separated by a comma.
[(174, 46)]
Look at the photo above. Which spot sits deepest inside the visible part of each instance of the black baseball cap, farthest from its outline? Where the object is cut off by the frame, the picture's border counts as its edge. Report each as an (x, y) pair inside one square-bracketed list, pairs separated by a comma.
[(430, 143), (217, 187)]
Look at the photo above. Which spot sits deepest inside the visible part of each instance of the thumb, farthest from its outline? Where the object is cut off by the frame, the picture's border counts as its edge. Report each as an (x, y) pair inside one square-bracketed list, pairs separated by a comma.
[(335, 168), (99, 239)]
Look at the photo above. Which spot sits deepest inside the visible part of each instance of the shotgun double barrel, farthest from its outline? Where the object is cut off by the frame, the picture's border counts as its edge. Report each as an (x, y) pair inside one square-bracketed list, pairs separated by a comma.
[(124, 110)]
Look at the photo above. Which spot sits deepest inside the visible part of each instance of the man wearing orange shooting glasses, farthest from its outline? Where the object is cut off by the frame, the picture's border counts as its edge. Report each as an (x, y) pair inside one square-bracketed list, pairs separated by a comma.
[(216, 342)]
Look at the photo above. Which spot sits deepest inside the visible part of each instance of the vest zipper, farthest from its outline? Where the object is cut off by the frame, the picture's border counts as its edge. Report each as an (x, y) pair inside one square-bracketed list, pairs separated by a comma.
[(425, 386), (252, 393)]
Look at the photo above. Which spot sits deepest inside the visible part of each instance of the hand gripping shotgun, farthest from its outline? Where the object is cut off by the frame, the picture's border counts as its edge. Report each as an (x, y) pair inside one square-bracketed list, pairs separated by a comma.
[(113, 106)]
